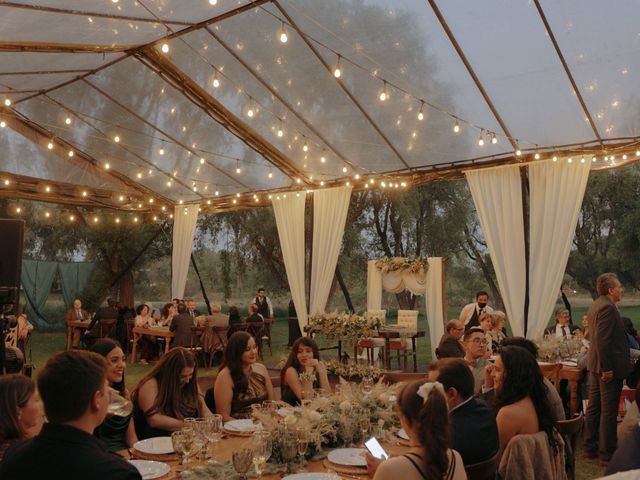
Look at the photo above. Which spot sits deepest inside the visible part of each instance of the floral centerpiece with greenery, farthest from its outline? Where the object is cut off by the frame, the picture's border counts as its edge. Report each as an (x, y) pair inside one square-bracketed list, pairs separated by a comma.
[(414, 265), (353, 370), (345, 326)]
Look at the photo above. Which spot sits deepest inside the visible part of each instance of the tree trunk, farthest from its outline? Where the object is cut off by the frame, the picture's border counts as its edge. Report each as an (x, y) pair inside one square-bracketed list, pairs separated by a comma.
[(126, 290)]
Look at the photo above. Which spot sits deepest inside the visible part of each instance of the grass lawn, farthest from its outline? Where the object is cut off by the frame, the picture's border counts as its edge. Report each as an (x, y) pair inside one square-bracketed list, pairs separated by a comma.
[(44, 344)]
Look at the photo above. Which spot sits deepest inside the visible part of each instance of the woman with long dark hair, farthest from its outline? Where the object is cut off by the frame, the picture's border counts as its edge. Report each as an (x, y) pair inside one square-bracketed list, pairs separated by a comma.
[(22, 412), (303, 358), (117, 432), (167, 395), (241, 381), (521, 396), (424, 416), (148, 344)]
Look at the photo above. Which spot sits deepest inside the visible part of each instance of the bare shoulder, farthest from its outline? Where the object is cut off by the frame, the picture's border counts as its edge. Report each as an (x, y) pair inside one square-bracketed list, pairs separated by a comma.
[(223, 375), (261, 369)]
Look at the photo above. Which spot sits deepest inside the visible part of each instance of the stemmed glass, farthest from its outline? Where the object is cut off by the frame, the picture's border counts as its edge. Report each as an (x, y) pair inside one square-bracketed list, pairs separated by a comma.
[(367, 385), (348, 429), (201, 440), (365, 424), (118, 405), (182, 442), (212, 433), (262, 445), (242, 459), (289, 449), (302, 439)]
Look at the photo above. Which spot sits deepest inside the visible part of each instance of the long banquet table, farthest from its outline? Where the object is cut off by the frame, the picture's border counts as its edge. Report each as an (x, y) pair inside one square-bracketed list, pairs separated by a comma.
[(152, 332)]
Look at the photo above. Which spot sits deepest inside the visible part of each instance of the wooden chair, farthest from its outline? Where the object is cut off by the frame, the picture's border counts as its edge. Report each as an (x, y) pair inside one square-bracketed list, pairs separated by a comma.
[(406, 319), (485, 470), (570, 431), (368, 345), (108, 328), (195, 346), (552, 373), (266, 332)]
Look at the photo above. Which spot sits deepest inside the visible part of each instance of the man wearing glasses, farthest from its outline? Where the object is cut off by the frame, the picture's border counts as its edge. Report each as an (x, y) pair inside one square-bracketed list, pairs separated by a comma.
[(450, 345), (476, 355)]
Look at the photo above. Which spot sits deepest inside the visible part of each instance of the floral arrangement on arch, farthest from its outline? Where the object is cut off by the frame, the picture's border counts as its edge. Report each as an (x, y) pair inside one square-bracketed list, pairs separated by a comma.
[(345, 325), (394, 264)]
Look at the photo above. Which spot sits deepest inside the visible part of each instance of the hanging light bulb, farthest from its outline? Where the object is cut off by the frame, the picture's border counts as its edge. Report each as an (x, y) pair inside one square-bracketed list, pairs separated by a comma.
[(555, 159), (71, 218), (213, 2), (7, 102), (250, 110), (537, 156), (305, 147), (70, 153), (238, 170), (421, 113), (116, 139), (107, 166), (637, 153), (3, 124), (216, 81), (456, 126), (481, 138), (280, 131), (50, 145), (282, 34), (337, 69), (494, 139), (270, 174), (161, 151), (384, 95), (165, 47), (323, 159), (344, 169), (67, 120), (518, 152), (202, 160)]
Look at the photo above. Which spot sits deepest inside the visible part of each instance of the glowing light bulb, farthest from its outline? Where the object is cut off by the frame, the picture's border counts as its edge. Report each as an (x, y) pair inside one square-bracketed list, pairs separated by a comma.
[(480, 140), (116, 139), (270, 175), (7, 102), (305, 147), (7, 182), (280, 132), (637, 153), (282, 34), (161, 151), (344, 169), (84, 194), (18, 209), (238, 171), (494, 139), (555, 159), (165, 48), (337, 69), (456, 126), (70, 153), (117, 220), (71, 218), (570, 160), (67, 120), (139, 175), (323, 159), (47, 214), (537, 156), (155, 218), (107, 166), (47, 189), (213, 2), (357, 176), (250, 112), (298, 180), (518, 152), (135, 219), (216, 82), (121, 198), (3, 124), (383, 96), (624, 157), (50, 145)]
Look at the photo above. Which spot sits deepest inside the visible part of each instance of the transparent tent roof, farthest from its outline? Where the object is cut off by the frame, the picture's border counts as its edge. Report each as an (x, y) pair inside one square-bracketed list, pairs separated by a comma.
[(229, 113)]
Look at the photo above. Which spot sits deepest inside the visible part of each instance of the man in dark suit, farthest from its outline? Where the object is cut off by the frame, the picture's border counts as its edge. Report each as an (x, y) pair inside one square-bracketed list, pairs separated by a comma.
[(474, 432), (110, 312), (450, 345), (563, 327), (75, 393), (181, 325), (608, 363)]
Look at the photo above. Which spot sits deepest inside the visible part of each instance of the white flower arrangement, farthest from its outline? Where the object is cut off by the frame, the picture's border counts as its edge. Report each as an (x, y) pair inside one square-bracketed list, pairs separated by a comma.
[(345, 325), (414, 265)]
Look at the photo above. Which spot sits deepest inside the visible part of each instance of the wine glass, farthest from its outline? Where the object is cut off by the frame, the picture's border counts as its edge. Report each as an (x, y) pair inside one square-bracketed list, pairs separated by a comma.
[(182, 442), (367, 385), (242, 459), (302, 439), (262, 446), (118, 405), (199, 426), (270, 407), (289, 449), (365, 424), (212, 432)]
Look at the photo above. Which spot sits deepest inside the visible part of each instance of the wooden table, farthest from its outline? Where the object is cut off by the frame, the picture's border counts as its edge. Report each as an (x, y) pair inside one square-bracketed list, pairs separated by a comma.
[(225, 448), (573, 375), (81, 324), (389, 334), (152, 332)]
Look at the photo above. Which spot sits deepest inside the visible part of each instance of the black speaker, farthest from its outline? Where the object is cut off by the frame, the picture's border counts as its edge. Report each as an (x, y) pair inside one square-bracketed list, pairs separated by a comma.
[(11, 246)]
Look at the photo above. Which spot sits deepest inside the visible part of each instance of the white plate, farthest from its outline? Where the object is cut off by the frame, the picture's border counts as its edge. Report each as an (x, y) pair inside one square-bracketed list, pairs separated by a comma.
[(311, 476), (283, 412), (352, 457), (155, 445), (149, 469), (403, 434), (244, 425)]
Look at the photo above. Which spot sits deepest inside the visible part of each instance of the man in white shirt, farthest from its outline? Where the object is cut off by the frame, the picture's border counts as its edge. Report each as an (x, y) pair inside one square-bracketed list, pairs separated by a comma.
[(562, 328), (470, 314)]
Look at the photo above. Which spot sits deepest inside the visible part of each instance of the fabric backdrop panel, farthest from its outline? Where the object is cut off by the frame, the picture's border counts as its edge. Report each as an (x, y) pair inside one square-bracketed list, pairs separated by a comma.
[(433, 302), (184, 229), (497, 195), (289, 212), (330, 209), (374, 286), (74, 276), (37, 278), (556, 193)]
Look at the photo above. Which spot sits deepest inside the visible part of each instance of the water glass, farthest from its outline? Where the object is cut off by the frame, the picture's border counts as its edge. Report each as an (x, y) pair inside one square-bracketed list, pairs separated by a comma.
[(242, 460), (182, 442), (118, 405), (262, 446), (302, 439), (270, 407), (289, 450), (213, 433), (348, 427)]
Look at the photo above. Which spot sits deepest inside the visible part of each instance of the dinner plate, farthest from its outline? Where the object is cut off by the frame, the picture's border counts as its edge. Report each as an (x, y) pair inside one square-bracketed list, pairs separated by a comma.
[(150, 469), (155, 446), (311, 476), (243, 425), (402, 434), (352, 457)]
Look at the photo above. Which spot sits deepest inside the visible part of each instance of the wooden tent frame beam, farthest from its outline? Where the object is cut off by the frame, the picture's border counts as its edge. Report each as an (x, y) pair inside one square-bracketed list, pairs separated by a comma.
[(216, 110), (54, 47)]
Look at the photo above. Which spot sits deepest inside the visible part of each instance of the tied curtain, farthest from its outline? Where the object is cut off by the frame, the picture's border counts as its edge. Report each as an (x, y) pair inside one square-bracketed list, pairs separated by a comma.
[(184, 229), (556, 193), (73, 278), (37, 278), (330, 209), (497, 195), (289, 213)]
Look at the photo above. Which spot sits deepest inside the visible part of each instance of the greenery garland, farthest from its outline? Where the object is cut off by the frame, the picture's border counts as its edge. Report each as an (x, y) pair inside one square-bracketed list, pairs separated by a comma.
[(394, 264)]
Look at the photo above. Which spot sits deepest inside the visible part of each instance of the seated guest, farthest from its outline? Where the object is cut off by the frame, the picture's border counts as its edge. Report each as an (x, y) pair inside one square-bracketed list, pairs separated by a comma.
[(553, 397), (234, 320), (148, 344), (241, 381), (470, 418), (76, 313), (213, 341), (423, 415), (476, 355), (181, 326), (167, 395), (486, 324), (117, 432), (632, 338), (497, 333), (521, 396), (74, 390), (22, 413), (257, 321), (303, 358), (110, 312), (167, 314), (450, 345), (191, 308), (563, 328)]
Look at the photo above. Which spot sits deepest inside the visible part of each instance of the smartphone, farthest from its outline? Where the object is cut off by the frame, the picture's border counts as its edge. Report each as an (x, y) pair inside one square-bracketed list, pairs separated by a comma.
[(376, 449)]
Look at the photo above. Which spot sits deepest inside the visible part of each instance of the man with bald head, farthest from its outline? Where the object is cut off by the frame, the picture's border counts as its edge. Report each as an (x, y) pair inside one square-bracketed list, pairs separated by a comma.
[(450, 345)]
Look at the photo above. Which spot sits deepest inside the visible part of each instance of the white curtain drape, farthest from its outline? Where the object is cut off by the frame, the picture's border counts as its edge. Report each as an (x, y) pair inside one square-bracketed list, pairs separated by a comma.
[(498, 199), (184, 229), (556, 193), (289, 212), (330, 209), (433, 302), (374, 286)]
